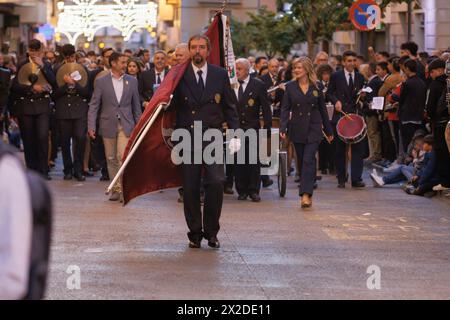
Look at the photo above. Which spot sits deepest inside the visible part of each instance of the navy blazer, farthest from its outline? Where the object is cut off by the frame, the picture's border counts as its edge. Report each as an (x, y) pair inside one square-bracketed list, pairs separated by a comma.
[(147, 80), (338, 90), (304, 116), (254, 102), (215, 106)]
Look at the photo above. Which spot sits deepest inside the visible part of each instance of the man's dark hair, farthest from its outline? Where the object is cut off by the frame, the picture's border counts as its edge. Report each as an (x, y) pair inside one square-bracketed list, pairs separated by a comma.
[(104, 51), (114, 57), (198, 37), (402, 60), (411, 46), (34, 45), (360, 57), (429, 139), (436, 64), (373, 68), (170, 51), (67, 50), (424, 55), (128, 51), (411, 65), (91, 53), (258, 59), (384, 54), (395, 64), (348, 53), (323, 68), (383, 65)]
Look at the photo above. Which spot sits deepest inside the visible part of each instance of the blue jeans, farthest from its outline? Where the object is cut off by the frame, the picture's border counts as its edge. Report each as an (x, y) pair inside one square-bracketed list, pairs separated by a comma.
[(402, 173)]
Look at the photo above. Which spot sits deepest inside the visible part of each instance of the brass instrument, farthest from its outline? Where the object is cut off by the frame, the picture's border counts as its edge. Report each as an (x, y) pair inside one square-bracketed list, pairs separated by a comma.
[(30, 74), (68, 69)]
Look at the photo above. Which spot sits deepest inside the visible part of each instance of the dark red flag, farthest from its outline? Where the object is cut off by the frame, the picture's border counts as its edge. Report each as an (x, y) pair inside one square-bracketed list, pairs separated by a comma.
[(150, 168)]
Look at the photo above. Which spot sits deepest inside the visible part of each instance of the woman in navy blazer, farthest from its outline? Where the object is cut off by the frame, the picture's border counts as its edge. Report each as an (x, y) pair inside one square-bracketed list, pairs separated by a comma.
[(304, 117)]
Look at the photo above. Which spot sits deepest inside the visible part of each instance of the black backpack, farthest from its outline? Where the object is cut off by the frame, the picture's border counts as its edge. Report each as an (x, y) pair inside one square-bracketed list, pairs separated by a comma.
[(41, 204)]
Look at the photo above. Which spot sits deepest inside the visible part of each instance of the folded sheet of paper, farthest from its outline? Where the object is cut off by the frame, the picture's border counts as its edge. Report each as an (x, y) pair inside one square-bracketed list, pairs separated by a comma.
[(377, 103), (367, 90), (75, 75)]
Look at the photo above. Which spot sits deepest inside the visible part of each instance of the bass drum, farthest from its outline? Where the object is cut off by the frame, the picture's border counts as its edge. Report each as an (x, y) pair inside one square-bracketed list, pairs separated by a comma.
[(351, 128)]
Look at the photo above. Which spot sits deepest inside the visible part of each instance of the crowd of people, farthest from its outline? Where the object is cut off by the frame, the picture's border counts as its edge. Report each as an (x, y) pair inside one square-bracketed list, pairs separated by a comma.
[(406, 136)]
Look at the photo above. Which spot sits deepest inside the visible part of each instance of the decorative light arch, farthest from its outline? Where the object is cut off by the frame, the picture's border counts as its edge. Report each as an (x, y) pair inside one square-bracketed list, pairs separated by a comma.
[(88, 16)]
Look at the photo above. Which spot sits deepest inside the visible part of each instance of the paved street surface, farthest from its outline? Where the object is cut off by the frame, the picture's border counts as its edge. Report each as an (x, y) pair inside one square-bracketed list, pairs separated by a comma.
[(270, 250)]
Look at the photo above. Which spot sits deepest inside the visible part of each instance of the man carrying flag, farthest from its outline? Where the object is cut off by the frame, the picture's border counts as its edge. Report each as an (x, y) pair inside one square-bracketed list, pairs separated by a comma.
[(203, 94), (199, 90)]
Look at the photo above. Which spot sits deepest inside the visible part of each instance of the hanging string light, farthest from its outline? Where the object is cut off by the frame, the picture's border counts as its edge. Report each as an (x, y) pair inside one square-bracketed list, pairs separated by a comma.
[(86, 17)]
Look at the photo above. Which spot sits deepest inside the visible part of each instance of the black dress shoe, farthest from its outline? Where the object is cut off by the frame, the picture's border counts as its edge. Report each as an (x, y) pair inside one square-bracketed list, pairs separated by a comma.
[(195, 244), (358, 184), (80, 177), (104, 178), (242, 197), (255, 197), (214, 243), (341, 185), (267, 183), (228, 190), (47, 177), (88, 174), (68, 176)]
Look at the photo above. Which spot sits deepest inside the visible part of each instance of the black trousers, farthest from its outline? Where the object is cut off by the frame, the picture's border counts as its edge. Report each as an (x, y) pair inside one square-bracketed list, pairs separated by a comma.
[(442, 155), (248, 174), (214, 178), (358, 151), (230, 175), (75, 130), (98, 157), (306, 157), (326, 155), (407, 131), (390, 139), (34, 131)]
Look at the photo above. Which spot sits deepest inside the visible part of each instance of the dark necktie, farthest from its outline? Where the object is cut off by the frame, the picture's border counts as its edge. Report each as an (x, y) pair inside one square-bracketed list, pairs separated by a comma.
[(240, 90), (350, 83), (201, 84), (158, 78)]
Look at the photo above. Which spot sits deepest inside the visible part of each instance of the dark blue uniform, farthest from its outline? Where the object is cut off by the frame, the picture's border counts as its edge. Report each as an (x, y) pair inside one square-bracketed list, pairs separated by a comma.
[(213, 106), (254, 101), (340, 90), (33, 111), (71, 106), (303, 116)]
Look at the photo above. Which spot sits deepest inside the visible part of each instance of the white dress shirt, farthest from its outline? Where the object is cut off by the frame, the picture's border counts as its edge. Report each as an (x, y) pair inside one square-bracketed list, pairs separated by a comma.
[(205, 72), (244, 86), (15, 229), (347, 76), (162, 74), (118, 86)]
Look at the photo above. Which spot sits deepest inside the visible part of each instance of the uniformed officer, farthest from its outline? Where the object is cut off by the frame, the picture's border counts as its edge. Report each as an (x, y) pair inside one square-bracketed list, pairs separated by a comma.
[(252, 101), (304, 116), (203, 94), (33, 108), (71, 106)]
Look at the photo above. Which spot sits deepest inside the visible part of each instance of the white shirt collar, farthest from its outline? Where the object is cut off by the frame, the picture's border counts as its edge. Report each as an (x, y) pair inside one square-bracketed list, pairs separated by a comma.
[(115, 78), (373, 77), (204, 69), (246, 80)]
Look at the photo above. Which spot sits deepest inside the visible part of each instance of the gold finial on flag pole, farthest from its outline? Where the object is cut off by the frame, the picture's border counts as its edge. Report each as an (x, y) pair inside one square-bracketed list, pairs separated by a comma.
[(224, 4)]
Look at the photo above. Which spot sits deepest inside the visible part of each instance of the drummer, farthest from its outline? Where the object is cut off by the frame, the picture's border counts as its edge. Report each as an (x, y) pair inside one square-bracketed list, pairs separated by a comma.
[(343, 92), (303, 115), (71, 104)]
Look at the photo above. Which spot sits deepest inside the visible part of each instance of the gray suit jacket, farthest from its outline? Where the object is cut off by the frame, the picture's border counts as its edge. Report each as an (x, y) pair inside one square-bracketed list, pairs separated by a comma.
[(105, 105)]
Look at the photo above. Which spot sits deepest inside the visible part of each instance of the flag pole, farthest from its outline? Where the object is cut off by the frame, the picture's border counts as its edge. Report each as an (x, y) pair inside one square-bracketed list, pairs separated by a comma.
[(138, 142)]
